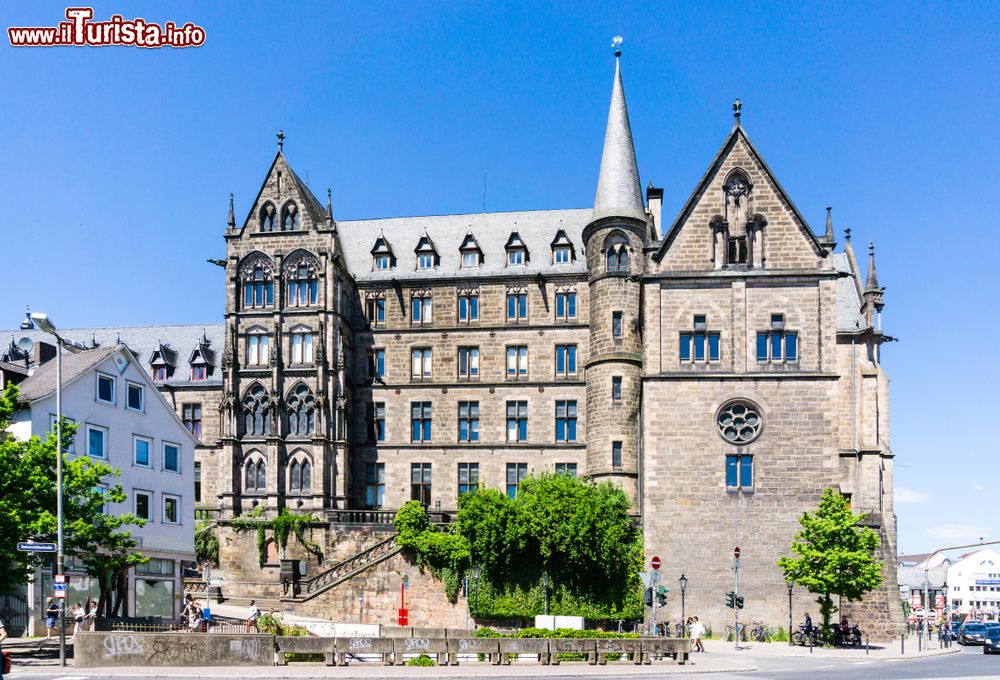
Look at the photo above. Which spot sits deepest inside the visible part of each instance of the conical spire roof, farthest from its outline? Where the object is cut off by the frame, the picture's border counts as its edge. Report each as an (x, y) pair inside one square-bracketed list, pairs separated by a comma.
[(871, 285), (619, 193)]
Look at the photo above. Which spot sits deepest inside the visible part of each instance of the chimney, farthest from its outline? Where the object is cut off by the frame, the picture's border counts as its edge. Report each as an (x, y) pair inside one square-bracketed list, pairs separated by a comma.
[(654, 203), (42, 352)]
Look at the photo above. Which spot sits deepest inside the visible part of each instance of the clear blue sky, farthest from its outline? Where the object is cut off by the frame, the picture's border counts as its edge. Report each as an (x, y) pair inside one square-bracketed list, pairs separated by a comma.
[(118, 162)]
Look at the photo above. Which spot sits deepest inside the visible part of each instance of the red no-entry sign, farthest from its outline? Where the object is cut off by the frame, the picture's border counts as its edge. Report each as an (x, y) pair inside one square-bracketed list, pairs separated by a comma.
[(655, 562), (736, 552)]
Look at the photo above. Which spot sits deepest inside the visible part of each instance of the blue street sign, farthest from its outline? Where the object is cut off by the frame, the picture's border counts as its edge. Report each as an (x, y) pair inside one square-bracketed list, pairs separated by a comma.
[(58, 586), (36, 547), (206, 614)]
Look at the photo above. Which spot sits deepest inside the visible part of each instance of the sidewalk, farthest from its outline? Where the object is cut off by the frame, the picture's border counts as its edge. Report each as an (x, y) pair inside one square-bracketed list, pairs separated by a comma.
[(877, 650)]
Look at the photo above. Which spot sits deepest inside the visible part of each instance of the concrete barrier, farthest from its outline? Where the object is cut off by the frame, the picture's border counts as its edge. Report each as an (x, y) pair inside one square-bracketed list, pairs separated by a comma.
[(304, 645), (584, 646), (171, 649), (677, 648), (359, 646), (537, 646), (488, 646), (415, 646), (627, 646)]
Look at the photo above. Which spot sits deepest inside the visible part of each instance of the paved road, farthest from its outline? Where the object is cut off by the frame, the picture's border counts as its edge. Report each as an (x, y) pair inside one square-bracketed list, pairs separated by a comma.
[(971, 664)]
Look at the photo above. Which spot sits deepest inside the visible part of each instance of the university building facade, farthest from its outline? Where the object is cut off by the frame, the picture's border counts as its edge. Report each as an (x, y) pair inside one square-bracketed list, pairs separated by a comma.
[(723, 369)]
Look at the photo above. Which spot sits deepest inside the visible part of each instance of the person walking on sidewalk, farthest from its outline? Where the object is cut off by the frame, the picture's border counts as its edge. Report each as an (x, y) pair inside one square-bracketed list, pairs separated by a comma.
[(697, 630), (254, 615), (51, 617)]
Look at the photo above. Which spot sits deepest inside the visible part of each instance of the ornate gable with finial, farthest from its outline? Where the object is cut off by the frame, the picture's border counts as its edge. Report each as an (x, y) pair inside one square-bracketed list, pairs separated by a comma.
[(740, 217)]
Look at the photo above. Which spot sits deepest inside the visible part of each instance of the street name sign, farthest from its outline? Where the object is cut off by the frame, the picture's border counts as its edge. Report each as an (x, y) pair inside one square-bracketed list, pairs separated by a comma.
[(30, 546)]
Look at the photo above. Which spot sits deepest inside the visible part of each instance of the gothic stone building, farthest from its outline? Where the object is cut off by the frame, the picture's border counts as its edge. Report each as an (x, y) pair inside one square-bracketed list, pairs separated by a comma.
[(722, 369)]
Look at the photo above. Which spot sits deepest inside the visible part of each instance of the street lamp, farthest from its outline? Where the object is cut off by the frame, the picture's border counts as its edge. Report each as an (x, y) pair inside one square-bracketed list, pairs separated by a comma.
[(476, 572), (545, 591), (684, 584), (790, 586), (47, 326)]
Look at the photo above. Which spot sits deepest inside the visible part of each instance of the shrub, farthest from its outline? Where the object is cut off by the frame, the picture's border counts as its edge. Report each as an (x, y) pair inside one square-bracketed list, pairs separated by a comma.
[(422, 660)]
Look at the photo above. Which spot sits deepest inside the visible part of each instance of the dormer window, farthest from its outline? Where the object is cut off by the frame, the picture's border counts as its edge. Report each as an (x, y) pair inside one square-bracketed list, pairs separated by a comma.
[(162, 362), (562, 248), (382, 257), (517, 251), (472, 254), (426, 253), (159, 372), (199, 372), (290, 218), (267, 216), (617, 250)]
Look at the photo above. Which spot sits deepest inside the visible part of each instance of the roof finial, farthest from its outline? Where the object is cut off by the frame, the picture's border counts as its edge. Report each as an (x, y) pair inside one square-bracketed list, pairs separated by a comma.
[(27, 324), (871, 285), (737, 106), (616, 42), (828, 237), (847, 234), (232, 217), (329, 203), (281, 139)]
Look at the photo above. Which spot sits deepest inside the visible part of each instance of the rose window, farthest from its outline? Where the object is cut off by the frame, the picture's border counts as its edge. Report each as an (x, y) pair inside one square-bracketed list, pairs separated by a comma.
[(740, 422)]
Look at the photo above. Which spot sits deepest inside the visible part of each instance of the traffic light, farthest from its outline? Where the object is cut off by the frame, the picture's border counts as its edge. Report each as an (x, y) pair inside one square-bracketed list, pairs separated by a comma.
[(661, 595), (647, 597), (739, 602), (731, 599)]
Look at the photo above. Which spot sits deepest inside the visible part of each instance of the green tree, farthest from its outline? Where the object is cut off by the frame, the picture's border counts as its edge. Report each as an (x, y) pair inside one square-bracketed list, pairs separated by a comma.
[(833, 555), (28, 510)]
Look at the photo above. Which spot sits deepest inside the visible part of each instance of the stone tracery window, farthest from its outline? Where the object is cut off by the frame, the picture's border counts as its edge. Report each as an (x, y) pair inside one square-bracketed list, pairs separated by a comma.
[(299, 475), (302, 412), (616, 249), (258, 281), (739, 421), (267, 217), (290, 218), (303, 284), (255, 417), (255, 476)]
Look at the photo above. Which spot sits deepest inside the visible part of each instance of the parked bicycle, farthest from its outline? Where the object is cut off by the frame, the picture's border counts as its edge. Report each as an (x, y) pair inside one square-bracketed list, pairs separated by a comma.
[(760, 632), (728, 635), (803, 637)]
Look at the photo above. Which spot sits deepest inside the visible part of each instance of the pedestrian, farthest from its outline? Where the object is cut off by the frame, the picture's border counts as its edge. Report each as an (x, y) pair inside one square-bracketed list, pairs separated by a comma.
[(51, 617), (76, 613), (89, 614), (3, 655), (697, 630), (254, 615)]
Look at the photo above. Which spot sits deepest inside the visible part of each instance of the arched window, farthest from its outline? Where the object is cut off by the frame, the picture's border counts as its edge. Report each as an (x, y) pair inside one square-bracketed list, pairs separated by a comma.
[(290, 218), (256, 423), (256, 477), (267, 216), (258, 283), (616, 249), (301, 412), (303, 287), (299, 476)]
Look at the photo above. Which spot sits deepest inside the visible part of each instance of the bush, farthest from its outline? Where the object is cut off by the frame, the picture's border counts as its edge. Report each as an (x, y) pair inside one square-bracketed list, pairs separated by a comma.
[(779, 635), (422, 660)]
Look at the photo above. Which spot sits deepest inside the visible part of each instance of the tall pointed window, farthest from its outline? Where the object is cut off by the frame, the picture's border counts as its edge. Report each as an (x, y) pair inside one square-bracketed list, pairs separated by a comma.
[(267, 216), (616, 249), (290, 218), (257, 349), (258, 287), (255, 476), (302, 347), (255, 419), (301, 412), (300, 475), (303, 288)]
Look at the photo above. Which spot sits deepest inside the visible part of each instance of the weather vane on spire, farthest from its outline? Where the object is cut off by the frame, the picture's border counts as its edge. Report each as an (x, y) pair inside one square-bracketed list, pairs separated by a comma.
[(281, 139), (737, 107), (616, 42)]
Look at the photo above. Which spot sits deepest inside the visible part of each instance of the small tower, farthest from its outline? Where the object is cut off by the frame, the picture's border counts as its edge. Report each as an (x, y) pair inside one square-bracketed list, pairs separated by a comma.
[(614, 241), (874, 296)]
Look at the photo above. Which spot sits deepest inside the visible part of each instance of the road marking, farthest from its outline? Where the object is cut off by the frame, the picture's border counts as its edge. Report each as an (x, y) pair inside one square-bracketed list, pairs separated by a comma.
[(72, 677), (861, 663)]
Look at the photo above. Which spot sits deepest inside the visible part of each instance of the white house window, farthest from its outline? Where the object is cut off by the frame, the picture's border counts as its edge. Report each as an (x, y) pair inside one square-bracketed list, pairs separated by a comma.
[(143, 504), (561, 255), (135, 397), (381, 262), (515, 257), (97, 441), (171, 509), (425, 261), (142, 451), (171, 457), (470, 259), (105, 389), (302, 347)]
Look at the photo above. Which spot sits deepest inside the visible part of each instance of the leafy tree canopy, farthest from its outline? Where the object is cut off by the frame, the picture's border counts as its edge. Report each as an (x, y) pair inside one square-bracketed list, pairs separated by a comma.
[(833, 554)]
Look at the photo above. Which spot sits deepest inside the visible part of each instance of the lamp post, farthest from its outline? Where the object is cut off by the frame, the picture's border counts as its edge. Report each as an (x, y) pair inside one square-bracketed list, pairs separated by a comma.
[(545, 591), (945, 617), (361, 608), (684, 584), (476, 571), (790, 586), (47, 326)]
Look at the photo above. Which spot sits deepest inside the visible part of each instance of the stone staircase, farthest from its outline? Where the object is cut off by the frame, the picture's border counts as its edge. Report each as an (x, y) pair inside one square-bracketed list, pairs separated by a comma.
[(340, 572)]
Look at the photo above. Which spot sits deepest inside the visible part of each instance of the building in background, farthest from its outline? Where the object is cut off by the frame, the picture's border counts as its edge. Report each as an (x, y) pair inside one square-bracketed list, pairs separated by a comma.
[(126, 422), (974, 585)]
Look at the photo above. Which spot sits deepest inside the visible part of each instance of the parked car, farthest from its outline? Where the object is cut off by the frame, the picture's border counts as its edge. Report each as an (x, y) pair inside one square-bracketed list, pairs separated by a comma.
[(971, 634), (991, 641)]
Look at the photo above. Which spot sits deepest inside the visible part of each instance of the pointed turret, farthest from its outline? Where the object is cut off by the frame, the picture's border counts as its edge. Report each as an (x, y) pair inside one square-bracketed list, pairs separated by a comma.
[(232, 215), (619, 193), (874, 300), (829, 240)]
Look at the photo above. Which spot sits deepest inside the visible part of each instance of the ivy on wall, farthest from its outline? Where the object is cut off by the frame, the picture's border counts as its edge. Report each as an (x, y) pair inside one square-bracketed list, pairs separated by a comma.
[(281, 526), (561, 541)]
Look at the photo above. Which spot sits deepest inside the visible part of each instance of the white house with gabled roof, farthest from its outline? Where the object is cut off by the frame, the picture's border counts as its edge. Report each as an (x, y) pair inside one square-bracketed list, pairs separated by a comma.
[(974, 585), (124, 421)]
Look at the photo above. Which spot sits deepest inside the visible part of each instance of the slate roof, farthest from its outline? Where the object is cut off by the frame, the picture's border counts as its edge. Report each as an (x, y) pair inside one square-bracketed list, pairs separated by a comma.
[(143, 341), (536, 228), (42, 382), (849, 316), (618, 191)]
